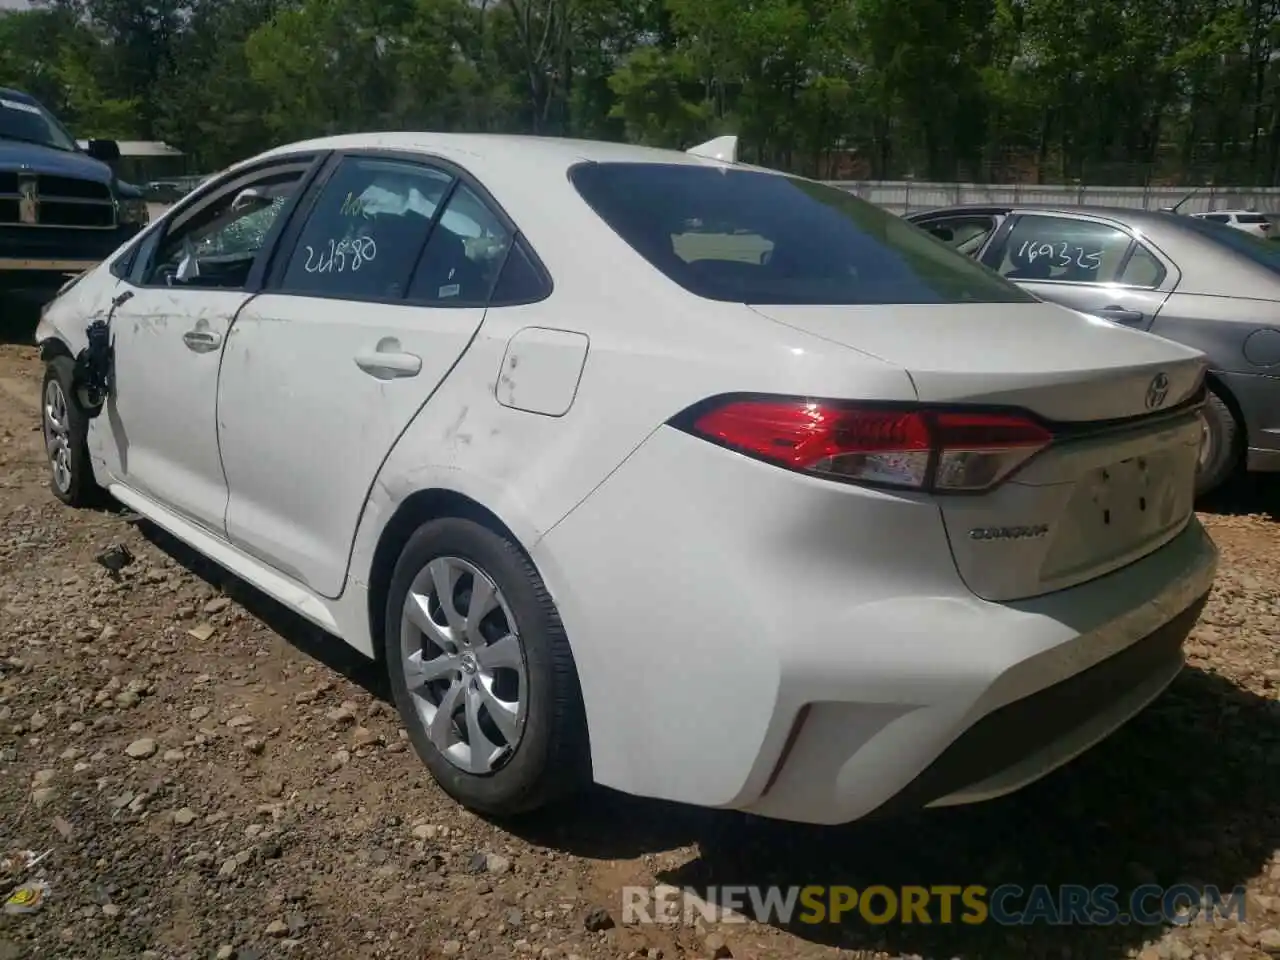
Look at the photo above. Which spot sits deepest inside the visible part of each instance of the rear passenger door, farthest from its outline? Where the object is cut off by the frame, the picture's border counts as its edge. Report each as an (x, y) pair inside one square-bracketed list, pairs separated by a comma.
[(1092, 265), (380, 284)]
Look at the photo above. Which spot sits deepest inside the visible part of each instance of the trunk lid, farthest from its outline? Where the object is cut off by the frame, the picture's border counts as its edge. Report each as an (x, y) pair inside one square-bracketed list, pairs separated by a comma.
[(1063, 365), (1116, 484)]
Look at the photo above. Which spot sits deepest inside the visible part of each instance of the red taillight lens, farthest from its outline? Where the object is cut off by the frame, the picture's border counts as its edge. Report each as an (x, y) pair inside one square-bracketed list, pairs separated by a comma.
[(917, 449)]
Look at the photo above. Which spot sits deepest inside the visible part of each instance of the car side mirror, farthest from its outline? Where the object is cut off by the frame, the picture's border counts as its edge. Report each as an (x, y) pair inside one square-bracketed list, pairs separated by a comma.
[(108, 151)]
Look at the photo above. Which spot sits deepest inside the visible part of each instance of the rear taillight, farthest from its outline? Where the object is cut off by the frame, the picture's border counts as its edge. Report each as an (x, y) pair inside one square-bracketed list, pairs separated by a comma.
[(941, 451)]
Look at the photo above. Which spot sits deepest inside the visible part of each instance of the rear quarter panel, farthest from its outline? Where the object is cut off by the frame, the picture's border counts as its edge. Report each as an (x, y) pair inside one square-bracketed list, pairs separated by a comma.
[(654, 349), (1219, 326)]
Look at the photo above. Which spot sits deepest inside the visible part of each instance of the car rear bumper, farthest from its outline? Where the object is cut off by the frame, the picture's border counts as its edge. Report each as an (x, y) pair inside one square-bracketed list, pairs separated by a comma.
[(1024, 740), (805, 650), (1039, 709), (1259, 398)]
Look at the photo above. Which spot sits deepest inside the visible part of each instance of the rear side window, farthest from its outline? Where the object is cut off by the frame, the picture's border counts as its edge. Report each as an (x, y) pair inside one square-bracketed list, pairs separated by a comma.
[(1064, 249), (1143, 269), (744, 236), (520, 280), (1253, 218), (363, 236), (463, 256)]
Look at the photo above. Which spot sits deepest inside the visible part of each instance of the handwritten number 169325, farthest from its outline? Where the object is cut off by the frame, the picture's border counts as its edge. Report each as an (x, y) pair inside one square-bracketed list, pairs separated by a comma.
[(1033, 250), (341, 255)]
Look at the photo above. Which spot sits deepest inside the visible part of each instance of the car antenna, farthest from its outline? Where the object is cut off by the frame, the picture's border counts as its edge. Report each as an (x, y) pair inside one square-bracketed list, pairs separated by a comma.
[(1176, 206)]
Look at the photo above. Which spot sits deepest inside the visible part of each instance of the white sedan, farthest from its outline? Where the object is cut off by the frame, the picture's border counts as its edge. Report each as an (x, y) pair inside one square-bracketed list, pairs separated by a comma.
[(697, 480)]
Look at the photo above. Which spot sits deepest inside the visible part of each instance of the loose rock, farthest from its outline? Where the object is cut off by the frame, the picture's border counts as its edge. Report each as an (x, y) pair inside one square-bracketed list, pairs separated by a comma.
[(141, 749)]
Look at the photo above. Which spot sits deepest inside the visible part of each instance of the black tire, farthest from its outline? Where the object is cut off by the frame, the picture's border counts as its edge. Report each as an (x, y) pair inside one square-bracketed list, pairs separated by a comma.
[(76, 488), (552, 757), (1223, 456)]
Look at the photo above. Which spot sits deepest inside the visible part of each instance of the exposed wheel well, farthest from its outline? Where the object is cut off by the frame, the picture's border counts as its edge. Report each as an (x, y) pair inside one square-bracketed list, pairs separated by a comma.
[(417, 509)]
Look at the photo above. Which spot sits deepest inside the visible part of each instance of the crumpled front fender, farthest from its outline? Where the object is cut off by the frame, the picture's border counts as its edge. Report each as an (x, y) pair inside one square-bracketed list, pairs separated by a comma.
[(65, 319)]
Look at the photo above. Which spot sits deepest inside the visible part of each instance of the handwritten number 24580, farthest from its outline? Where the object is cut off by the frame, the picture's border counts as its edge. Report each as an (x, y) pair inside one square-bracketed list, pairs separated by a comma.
[(351, 253)]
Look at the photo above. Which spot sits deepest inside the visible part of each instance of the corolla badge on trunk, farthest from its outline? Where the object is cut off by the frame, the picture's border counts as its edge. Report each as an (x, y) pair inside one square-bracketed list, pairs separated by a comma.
[(1157, 391), (1009, 533)]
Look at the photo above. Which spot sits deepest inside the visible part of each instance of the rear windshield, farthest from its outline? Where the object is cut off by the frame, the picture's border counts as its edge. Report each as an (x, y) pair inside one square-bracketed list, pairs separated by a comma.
[(1250, 218), (744, 236), (1265, 253)]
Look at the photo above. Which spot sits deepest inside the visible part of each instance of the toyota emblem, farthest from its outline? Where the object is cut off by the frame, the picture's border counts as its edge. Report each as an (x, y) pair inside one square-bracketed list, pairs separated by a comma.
[(1157, 391)]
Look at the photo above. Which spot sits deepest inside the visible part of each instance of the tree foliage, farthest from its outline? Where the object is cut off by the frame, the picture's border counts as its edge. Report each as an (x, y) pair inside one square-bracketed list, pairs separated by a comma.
[(988, 90)]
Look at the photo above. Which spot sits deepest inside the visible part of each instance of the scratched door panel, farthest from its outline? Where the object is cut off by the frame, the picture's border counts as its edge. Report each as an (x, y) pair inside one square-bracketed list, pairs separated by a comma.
[(304, 427), (382, 293), (162, 436)]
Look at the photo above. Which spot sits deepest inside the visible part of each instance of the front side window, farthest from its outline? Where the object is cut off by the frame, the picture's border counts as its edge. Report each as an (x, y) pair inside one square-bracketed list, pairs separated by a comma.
[(28, 122), (1064, 249), (963, 234), (366, 230), (746, 236), (218, 246)]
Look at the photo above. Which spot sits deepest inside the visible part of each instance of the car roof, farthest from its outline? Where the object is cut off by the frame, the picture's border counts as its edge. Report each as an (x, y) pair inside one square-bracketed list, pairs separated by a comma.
[(1131, 215), (503, 153)]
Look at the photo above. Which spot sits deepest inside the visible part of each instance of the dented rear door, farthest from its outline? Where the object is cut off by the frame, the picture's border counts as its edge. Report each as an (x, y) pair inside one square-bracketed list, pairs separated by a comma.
[(368, 309)]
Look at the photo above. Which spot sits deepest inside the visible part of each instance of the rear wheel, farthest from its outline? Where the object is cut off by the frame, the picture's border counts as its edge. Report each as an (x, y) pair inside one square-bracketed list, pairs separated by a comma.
[(66, 427), (1220, 446), (481, 672)]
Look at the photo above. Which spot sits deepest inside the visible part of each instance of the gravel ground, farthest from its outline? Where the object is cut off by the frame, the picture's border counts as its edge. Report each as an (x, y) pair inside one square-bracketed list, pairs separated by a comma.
[(205, 776)]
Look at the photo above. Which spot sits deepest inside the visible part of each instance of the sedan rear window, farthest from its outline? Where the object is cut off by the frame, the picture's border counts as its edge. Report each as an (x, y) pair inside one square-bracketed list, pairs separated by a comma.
[(745, 236)]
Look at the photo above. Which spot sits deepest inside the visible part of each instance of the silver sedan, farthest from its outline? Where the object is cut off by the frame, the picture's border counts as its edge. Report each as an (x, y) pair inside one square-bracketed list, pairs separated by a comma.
[(1190, 280)]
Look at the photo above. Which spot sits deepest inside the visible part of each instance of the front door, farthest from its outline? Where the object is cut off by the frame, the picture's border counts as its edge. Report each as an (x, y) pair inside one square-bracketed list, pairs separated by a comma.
[(175, 310), (1087, 264), (357, 328)]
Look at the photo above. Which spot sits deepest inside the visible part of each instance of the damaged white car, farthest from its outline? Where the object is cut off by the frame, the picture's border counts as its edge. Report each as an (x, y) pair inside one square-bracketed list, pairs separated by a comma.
[(699, 481)]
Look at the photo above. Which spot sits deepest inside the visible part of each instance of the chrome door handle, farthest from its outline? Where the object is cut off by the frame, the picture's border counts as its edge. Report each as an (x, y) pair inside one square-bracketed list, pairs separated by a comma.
[(202, 341), (389, 365), (1121, 314)]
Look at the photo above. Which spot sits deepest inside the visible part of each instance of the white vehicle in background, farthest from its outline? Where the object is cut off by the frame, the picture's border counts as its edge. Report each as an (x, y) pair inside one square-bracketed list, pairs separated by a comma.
[(1250, 221), (697, 480)]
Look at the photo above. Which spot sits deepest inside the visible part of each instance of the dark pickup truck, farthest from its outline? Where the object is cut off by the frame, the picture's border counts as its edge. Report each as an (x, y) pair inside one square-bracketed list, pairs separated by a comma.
[(62, 209)]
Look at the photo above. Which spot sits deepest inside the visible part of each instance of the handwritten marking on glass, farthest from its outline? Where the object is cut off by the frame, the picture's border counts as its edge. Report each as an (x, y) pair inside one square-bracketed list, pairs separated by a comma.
[(354, 206), (341, 255), (1032, 250)]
